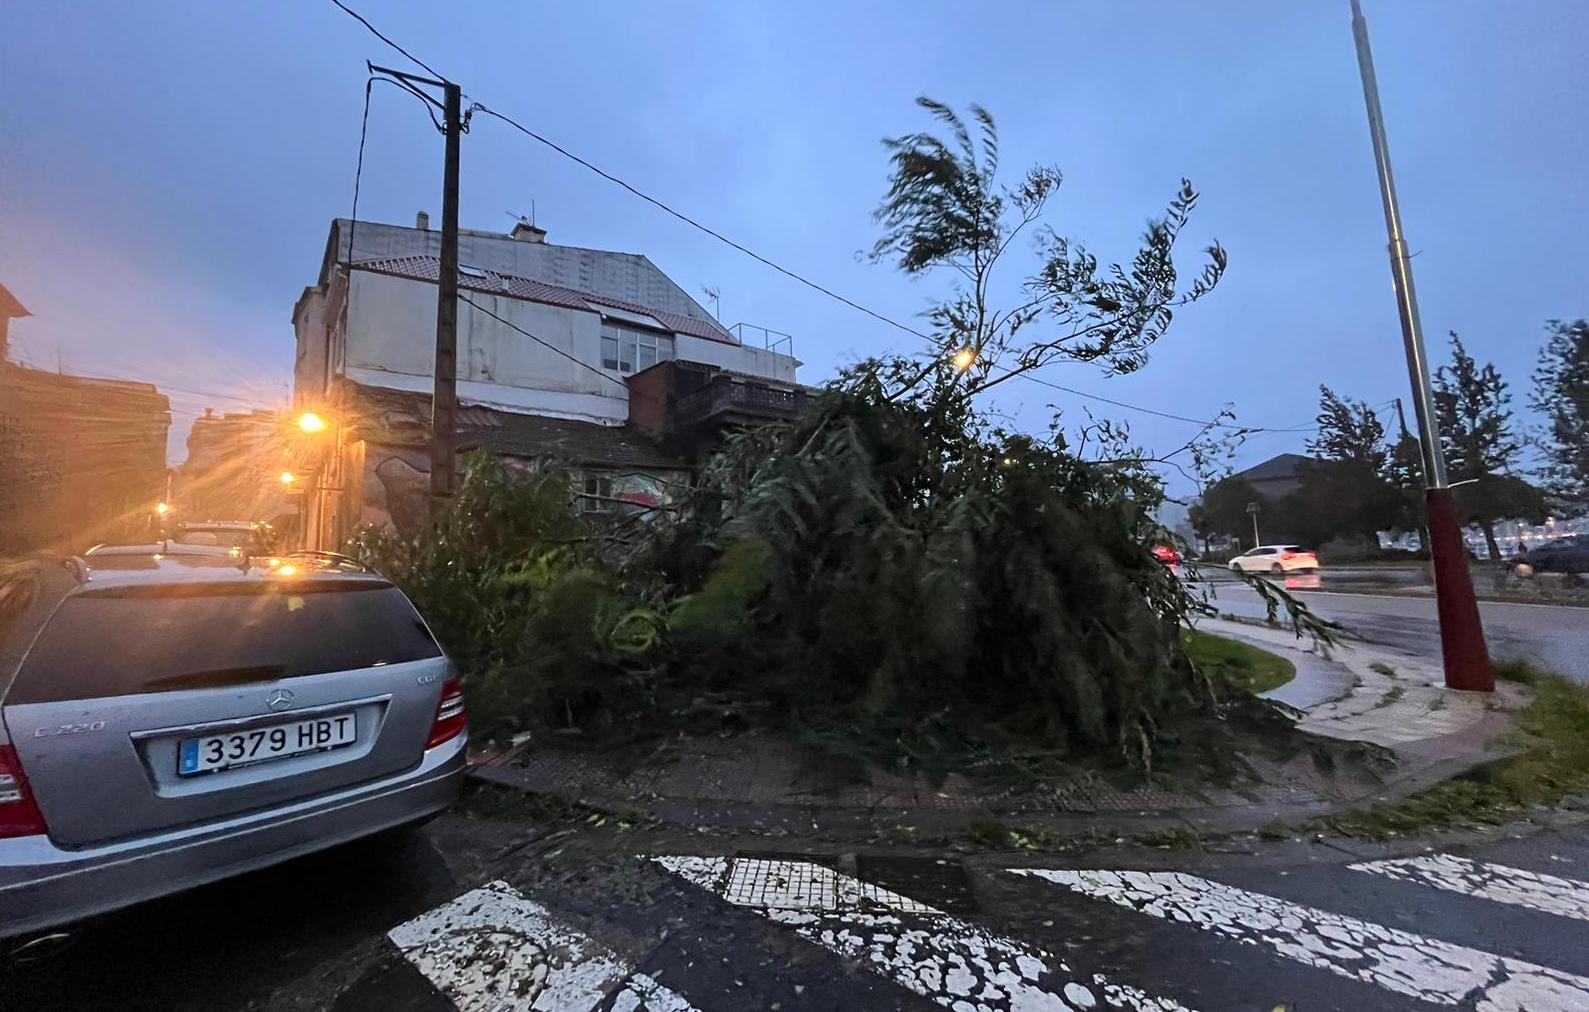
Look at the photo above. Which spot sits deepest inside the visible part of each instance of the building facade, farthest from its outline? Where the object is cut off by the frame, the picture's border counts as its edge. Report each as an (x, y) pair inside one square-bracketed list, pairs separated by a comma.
[(83, 459), (553, 344)]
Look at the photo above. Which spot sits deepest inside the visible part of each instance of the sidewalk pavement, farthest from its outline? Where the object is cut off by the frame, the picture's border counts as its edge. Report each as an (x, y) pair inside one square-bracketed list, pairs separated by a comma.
[(757, 783)]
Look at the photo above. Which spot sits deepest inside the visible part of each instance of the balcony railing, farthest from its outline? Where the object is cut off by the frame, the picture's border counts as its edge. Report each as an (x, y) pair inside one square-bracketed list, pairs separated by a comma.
[(730, 398)]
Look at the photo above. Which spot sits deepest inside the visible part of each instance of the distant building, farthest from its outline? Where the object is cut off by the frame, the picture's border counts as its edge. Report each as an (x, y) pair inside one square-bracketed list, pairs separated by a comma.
[(234, 467), (10, 309), (1276, 477), (593, 358), (81, 460)]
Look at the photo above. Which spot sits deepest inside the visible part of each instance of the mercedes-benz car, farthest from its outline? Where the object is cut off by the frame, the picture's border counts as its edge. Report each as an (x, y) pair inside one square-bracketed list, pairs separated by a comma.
[(168, 719)]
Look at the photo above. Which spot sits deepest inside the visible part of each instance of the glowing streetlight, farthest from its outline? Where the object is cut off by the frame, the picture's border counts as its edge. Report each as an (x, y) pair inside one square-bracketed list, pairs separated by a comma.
[(311, 422), (162, 508), (287, 478), (963, 359)]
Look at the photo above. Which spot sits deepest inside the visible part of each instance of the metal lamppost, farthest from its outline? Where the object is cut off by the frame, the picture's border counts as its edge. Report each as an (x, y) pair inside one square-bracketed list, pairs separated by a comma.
[(1252, 511), (1467, 660)]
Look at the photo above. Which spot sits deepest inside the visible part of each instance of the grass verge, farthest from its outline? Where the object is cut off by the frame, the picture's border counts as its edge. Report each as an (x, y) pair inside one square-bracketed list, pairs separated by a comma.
[(1245, 666), (1553, 733)]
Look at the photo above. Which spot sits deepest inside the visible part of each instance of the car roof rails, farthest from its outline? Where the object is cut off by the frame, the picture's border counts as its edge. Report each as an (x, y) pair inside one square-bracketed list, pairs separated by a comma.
[(75, 565), (336, 557)]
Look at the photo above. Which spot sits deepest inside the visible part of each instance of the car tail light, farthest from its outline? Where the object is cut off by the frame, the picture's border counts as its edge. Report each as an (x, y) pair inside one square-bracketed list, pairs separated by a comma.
[(19, 815), (450, 716)]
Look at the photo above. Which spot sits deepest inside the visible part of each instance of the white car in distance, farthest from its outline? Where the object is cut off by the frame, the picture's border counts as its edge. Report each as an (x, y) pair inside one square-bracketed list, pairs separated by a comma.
[(1276, 559)]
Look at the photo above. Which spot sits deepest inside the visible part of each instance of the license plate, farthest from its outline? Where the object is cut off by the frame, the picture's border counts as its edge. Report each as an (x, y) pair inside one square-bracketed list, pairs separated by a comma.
[(260, 744)]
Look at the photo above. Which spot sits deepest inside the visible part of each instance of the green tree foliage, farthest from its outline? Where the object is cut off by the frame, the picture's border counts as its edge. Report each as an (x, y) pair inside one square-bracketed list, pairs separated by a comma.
[(1345, 492), (895, 565), (517, 588), (1349, 433), (945, 209), (1404, 472), (1476, 434), (1561, 395), (1223, 509)]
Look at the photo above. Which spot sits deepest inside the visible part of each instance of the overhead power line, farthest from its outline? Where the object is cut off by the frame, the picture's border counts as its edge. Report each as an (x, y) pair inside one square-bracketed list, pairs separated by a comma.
[(793, 275), (355, 15)]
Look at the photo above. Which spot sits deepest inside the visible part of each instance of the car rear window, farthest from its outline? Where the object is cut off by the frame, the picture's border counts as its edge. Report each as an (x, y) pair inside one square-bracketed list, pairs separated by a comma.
[(165, 639)]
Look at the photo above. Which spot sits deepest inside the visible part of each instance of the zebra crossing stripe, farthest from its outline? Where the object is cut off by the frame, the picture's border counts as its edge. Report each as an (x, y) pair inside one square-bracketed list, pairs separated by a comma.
[(1544, 893), (492, 950), (1425, 968), (950, 961)]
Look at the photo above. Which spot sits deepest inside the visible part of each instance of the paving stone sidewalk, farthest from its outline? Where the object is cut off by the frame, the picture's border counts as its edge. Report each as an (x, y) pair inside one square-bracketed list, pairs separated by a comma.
[(1354, 694)]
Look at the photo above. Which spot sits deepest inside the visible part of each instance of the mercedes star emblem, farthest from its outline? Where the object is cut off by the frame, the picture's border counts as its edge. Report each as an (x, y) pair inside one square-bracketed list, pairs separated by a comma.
[(279, 699)]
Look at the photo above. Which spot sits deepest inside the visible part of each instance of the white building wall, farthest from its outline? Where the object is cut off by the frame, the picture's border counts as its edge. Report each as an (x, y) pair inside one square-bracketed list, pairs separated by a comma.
[(737, 357), (391, 340)]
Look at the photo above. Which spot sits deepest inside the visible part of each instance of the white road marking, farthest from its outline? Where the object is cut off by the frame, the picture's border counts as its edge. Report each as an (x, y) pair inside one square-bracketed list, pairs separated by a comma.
[(492, 950), (1400, 961), (1548, 894), (953, 962)]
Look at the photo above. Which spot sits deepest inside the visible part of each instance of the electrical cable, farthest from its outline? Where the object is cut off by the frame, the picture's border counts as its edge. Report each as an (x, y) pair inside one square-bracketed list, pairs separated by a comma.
[(355, 15), (477, 106)]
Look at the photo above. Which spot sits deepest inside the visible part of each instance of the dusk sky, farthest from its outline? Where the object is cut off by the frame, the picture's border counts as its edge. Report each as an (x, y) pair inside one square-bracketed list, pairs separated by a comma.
[(168, 171)]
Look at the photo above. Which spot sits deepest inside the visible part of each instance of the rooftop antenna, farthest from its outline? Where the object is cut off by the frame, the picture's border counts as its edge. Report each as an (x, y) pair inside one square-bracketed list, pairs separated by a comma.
[(521, 218), (716, 295)]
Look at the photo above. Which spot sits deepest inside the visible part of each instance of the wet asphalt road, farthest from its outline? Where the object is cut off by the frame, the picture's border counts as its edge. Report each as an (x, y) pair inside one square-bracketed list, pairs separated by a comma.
[(587, 919), (1555, 637)]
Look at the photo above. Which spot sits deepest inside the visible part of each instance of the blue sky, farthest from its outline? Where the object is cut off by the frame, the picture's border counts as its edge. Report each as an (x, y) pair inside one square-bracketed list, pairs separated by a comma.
[(167, 172)]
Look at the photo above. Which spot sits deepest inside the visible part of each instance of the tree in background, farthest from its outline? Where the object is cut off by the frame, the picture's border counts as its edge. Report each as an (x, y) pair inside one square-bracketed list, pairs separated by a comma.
[(1404, 472), (1480, 444), (1561, 394), (1223, 509), (1349, 432), (1345, 492)]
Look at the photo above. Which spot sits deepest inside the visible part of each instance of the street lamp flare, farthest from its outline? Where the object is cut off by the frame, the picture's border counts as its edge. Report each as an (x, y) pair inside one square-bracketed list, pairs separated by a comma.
[(311, 422)]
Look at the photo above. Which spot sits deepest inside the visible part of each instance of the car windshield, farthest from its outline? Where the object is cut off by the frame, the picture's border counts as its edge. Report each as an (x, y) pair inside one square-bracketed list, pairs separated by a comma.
[(167, 638)]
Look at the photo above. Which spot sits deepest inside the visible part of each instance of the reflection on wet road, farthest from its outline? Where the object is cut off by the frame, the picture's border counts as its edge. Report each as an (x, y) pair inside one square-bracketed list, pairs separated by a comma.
[(1556, 637)]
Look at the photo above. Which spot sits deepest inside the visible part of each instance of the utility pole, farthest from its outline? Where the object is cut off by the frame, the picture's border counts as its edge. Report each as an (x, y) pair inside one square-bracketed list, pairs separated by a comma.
[(1252, 510), (1467, 660), (444, 395), (444, 399)]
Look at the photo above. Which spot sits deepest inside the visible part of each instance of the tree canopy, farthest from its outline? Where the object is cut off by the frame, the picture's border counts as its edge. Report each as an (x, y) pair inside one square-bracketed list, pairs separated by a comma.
[(1472, 404), (945, 209), (1561, 395)]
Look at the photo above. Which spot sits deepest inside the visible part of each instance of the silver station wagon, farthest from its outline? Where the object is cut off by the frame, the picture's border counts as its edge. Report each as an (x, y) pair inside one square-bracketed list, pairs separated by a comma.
[(171, 718)]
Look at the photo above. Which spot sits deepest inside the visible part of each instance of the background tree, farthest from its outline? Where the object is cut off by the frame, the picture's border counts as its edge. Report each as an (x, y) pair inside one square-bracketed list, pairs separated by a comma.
[(1349, 432), (1404, 472), (1345, 492), (1223, 509), (1561, 394), (1471, 403)]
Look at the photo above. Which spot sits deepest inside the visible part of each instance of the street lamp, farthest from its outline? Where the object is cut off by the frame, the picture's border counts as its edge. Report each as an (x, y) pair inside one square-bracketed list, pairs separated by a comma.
[(1467, 659), (287, 478), (162, 508), (963, 359), (311, 422)]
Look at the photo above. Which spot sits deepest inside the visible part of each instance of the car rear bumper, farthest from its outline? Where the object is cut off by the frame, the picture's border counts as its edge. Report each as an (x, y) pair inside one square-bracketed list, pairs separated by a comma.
[(44, 886)]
